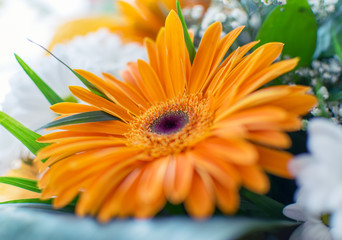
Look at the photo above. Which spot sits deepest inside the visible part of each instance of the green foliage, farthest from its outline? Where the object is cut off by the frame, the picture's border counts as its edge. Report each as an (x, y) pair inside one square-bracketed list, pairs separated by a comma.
[(189, 44), (22, 133), (329, 33), (295, 25), (86, 117), (33, 201), (49, 94), (267, 205), (24, 183), (337, 46)]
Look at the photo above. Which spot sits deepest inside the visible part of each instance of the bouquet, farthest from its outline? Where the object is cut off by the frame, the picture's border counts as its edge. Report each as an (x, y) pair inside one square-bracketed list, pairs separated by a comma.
[(176, 120)]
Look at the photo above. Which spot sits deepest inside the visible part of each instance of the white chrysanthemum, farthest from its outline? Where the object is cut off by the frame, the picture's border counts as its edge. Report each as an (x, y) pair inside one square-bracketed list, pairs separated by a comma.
[(312, 228), (229, 12), (319, 173), (96, 52)]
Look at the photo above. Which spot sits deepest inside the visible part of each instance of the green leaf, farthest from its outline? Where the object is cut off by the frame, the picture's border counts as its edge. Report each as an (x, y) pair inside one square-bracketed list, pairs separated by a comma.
[(40, 224), (22, 133), (49, 94), (269, 206), (337, 46), (86, 117), (295, 25), (29, 200), (331, 26), (337, 96), (24, 183), (88, 84), (188, 42)]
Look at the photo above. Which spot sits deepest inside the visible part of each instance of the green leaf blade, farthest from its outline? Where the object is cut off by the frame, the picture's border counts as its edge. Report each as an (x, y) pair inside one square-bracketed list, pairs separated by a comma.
[(337, 46), (22, 133), (29, 200), (23, 183), (86, 117), (269, 206), (189, 44), (49, 94), (293, 24)]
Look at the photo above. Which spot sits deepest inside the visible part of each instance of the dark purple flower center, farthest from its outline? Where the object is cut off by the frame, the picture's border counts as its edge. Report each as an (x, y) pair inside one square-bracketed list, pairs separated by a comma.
[(169, 123)]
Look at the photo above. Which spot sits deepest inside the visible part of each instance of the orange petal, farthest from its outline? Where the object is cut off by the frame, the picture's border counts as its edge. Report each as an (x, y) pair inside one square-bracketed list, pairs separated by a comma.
[(219, 83), (263, 114), (266, 75), (235, 151), (129, 90), (178, 177), (150, 83), (105, 127), (270, 137), (250, 65), (200, 201), (57, 136), (275, 161), (111, 91), (254, 179), (297, 103), (71, 108), (164, 68), (222, 48), (176, 51), (115, 201), (101, 103), (151, 184), (75, 145), (219, 169), (204, 57), (152, 52), (95, 193), (263, 96), (227, 197)]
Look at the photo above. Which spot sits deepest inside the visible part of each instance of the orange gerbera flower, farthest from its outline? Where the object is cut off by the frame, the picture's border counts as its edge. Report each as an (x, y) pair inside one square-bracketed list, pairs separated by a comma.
[(135, 20), (144, 18), (189, 134)]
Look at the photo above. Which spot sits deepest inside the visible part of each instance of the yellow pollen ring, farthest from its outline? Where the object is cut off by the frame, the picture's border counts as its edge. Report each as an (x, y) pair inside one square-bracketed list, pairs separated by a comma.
[(196, 119)]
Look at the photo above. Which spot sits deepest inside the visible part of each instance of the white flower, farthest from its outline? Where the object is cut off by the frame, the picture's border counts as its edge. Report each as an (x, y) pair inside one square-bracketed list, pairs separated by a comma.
[(96, 52), (319, 173), (312, 229), (268, 2), (321, 8)]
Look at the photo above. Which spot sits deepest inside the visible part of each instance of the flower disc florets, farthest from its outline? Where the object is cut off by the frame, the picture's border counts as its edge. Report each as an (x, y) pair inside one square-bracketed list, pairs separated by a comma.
[(172, 126)]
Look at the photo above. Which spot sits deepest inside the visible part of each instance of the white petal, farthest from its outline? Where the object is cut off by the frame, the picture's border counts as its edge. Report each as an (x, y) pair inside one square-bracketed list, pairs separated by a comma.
[(295, 211), (315, 231), (325, 138), (336, 225)]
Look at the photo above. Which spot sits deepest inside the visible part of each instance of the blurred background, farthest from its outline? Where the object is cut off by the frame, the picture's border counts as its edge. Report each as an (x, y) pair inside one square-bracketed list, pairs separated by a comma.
[(36, 20)]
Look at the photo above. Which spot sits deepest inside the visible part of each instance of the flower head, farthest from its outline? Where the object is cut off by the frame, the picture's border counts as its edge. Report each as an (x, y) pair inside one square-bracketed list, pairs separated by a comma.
[(313, 228), (318, 174), (134, 20), (189, 134)]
